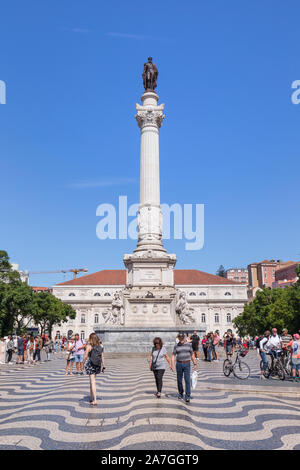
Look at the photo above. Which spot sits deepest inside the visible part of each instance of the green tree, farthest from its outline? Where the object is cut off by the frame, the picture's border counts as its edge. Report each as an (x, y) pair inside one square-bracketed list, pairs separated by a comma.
[(15, 298), (16, 307), (50, 311), (221, 271), (7, 274), (272, 308)]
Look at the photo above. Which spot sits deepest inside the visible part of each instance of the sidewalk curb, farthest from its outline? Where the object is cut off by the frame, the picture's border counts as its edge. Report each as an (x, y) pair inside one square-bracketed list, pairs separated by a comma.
[(289, 391)]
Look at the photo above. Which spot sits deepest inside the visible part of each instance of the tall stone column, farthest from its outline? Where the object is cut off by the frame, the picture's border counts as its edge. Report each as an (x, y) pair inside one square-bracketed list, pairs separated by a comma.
[(149, 117), (149, 266)]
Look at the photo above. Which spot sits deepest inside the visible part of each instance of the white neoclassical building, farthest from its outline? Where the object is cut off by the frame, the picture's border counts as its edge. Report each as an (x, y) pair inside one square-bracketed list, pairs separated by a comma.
[(214, 302)]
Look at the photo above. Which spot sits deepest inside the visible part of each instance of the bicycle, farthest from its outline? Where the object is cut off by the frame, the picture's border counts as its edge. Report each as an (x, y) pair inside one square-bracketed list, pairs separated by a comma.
[(240, 369), (286, 361), (275, 367)]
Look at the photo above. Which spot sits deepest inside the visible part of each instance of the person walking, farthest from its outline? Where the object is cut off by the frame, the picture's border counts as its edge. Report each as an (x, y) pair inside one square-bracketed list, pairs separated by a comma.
[(183, 353), (20, 358), (30, 350), (209, 345), (94, 363), (158, 358), (79, 353), (9, 349), (204, 347), (25, 338), (37, 349), (48, 348), (216, 340), (263, 351), (70, 355), (195, 344), (295, 348), (2, 350)]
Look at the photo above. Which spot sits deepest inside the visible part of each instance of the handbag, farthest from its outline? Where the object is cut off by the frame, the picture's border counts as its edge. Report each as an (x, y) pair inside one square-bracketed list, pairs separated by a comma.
[(154, 363)]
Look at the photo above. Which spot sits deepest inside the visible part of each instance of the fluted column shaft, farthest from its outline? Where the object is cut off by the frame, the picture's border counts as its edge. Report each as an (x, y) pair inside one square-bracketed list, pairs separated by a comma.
[(149, 117)]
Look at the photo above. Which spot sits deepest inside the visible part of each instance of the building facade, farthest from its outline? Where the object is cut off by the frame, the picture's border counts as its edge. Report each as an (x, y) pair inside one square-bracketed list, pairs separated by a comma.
[(286, 276), (237, 275), (214, 302)]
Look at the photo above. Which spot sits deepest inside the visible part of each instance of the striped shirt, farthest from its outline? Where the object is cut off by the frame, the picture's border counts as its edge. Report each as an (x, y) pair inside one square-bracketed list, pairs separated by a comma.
[(286, 339), (183, 351)]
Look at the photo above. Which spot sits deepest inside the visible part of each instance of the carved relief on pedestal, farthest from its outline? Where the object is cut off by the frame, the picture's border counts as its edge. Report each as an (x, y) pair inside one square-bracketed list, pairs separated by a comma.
[(183, 310), (155, 309), (115, 315)]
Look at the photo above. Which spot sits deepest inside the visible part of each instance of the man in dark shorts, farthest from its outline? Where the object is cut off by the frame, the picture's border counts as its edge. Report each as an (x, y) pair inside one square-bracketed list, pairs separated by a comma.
[(195, 343), (20, 357), (229, 338)]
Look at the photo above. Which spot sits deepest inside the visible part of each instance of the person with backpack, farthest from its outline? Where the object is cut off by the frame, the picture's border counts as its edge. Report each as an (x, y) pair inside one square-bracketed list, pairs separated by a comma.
[(158, 364), (94, 364)]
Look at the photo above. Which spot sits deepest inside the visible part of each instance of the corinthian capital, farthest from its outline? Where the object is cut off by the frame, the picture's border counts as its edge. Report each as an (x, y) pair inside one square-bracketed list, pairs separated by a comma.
[(150, 116)]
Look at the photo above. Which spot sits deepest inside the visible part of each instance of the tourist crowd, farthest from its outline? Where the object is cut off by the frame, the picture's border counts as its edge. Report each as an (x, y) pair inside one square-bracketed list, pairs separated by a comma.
[(90, 355), (28, 349)]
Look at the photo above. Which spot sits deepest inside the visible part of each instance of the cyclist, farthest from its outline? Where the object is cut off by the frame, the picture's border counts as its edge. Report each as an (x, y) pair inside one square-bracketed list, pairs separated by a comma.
[(264, 349), (274, 343), (285, 339), (295, 346)]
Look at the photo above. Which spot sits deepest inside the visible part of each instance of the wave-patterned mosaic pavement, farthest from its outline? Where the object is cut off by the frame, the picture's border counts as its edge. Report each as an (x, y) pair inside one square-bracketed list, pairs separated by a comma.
[(41, 408)]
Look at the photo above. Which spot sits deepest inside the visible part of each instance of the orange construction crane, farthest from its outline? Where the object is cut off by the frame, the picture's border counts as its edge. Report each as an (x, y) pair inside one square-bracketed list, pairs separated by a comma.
[(75, 271)]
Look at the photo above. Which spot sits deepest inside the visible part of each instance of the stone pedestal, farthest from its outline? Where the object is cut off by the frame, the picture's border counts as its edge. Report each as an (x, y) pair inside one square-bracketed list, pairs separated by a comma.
[(140, 339)]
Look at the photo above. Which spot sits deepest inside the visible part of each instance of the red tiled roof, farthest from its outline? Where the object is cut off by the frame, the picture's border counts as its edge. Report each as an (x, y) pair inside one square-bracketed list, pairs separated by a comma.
[(287, 265), (110, 277)]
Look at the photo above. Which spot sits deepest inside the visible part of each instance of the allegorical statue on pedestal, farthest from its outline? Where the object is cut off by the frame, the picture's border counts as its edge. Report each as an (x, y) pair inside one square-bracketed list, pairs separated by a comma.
[(150, 75), (183, 310), (115, 314)]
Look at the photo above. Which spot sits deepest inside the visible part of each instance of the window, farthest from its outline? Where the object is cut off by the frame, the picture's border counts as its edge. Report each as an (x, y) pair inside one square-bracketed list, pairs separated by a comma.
[(82, 318), (70, 332), (96, 318), (217, 318), (228, 318), (107, 294), (97, 294), (203, 318), (58, 334), (71, 294), (227, 293), (192, 293), (202, 293), (82, 335)]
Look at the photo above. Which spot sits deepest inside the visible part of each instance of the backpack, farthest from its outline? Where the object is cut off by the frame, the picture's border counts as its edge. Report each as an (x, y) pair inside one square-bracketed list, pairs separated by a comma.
[(96, 356)]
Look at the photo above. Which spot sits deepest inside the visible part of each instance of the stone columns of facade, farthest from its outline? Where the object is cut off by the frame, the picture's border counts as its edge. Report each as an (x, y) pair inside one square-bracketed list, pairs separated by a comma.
[(149, 118)]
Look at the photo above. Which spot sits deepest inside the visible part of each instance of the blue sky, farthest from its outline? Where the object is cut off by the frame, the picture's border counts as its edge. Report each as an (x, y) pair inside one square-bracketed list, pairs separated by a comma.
[(69, 141)]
